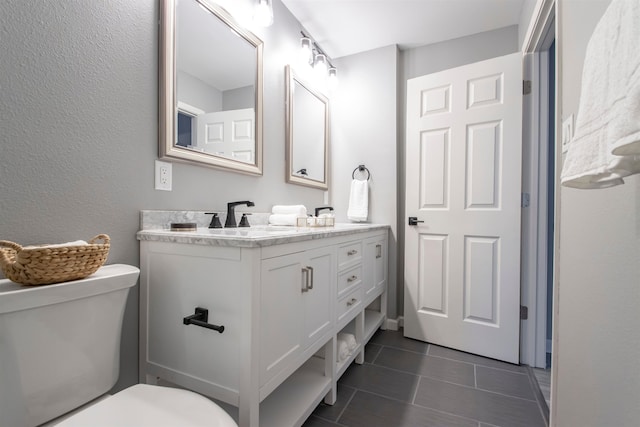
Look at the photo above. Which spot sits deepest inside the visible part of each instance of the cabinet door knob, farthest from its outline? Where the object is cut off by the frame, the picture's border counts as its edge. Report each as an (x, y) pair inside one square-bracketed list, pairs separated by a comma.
[(352, 279), (351, 302), (352, 252)]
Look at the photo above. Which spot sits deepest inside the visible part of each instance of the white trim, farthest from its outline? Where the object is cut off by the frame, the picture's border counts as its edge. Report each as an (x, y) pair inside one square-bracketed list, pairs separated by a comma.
[(540, 35), (540, 23), (394, 324)]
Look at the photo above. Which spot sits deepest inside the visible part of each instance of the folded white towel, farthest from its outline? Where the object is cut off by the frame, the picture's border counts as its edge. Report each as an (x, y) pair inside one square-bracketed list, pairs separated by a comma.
[(58, 245), (283, 219), (358, 201), (342, 351), (350, 339), (606, 144), (298, 210)]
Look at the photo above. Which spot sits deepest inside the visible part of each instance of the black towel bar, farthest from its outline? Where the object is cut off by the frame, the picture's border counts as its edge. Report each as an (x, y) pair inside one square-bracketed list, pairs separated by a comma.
[(360, 168)]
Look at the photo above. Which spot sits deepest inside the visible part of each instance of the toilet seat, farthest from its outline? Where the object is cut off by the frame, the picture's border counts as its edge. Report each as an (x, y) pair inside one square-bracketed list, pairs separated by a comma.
[(144, 405)]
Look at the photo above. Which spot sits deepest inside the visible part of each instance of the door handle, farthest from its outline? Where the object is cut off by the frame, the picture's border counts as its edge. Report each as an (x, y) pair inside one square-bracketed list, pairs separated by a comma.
[(413, 220)]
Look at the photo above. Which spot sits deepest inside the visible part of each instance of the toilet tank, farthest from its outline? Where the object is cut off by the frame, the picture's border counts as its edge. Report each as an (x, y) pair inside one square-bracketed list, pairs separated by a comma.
[(60, 344)]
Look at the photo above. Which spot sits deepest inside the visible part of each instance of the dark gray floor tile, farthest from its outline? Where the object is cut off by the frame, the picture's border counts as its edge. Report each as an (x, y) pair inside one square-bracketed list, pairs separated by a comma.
[(433, 367), (479, 405), (435, 350), (371, 352), (370, 410), (511, 383), (396, 339), (379, 380), (314, 421), (332, 412)]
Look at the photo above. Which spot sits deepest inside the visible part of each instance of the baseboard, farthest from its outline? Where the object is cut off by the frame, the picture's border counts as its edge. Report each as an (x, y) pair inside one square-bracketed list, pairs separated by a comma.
[(394, 324)]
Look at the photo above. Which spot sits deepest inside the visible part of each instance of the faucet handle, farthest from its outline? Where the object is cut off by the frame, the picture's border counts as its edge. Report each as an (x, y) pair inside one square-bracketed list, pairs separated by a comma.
[(244, 221), (215, 220)]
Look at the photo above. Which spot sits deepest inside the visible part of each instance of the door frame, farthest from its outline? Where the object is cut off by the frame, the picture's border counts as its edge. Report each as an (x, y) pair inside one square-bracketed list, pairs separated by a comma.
[(539, 37)]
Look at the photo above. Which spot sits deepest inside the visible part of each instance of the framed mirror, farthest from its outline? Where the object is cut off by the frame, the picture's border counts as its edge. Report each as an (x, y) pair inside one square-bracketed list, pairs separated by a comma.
[(210, 82), (307, 136)]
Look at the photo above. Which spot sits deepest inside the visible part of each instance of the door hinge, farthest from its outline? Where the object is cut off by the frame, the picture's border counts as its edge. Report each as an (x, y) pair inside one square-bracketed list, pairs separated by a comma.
[(525, 200), (524, 312), (526, 87)]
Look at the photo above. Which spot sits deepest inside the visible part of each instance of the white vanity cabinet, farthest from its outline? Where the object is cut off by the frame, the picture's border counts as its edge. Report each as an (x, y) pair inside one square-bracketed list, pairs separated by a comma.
[(280, 303), (295, 308)]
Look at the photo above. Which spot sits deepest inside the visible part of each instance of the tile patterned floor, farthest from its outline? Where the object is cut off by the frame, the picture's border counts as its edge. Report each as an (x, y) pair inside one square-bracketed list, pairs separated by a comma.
[(408, 383)]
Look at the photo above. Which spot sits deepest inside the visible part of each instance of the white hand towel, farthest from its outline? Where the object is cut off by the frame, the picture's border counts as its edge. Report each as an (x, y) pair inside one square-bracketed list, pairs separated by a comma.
[(342, 351), (283, 219), (358, 201), (350, 339), (606, 143), (298, 210)]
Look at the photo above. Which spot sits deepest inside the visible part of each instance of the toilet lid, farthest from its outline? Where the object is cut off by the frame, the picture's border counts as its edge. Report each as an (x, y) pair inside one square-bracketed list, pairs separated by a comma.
[(144, 405)]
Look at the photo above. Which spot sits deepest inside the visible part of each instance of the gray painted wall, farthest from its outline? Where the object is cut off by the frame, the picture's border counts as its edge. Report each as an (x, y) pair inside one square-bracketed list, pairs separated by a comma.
[(78, 116), (596, 338), (364, 131)]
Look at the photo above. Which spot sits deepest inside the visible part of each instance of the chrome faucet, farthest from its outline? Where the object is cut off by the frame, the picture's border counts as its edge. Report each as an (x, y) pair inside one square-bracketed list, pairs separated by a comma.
[(230, 222)]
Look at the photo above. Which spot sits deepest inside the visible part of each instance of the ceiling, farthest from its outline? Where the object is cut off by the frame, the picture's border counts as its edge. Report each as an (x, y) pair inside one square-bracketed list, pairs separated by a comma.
[(346, 27)]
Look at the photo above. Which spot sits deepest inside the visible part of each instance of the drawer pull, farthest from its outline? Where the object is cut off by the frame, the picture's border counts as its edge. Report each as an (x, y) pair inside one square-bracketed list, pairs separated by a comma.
[(351, 302), (378, 251), (200, 318), (352, 252), (307, 282), (352, 279)]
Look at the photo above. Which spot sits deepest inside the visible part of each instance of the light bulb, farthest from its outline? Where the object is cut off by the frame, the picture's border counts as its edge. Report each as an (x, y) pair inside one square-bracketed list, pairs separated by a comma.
[(306, 52), (333, 78), (320, 65), (263, 13)]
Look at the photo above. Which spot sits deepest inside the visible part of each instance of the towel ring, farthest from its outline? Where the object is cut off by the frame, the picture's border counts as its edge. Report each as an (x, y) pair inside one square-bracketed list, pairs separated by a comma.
[(360, 168)]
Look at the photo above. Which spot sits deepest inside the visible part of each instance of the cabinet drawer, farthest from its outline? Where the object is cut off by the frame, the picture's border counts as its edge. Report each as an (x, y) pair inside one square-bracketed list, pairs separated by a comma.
[(349, 279), (348, 307), (349, 254)]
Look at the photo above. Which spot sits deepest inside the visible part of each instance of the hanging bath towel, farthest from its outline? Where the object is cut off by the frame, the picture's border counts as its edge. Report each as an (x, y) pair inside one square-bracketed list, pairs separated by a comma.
[(606, 144), (358, 201)]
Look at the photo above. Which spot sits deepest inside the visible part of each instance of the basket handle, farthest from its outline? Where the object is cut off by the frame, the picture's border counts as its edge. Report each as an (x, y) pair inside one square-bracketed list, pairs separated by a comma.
[(5, 258), (6, 243), (103, 237)]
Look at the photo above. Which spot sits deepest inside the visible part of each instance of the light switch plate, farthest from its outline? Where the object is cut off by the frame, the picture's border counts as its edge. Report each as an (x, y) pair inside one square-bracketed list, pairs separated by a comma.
[(567, 132)]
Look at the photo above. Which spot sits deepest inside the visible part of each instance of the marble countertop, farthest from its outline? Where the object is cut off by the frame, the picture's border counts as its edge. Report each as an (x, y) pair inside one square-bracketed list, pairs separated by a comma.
[(254, 236)]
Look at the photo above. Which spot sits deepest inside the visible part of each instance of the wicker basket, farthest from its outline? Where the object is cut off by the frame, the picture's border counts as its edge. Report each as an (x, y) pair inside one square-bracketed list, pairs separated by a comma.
[(42, 265)]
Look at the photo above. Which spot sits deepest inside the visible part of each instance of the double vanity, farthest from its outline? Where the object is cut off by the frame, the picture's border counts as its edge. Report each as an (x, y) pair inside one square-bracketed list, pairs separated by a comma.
[(251, 316)]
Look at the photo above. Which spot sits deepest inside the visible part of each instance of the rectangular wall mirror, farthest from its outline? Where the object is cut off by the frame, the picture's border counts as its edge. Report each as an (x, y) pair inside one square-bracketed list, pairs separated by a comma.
[(210, 88), (307, 136)]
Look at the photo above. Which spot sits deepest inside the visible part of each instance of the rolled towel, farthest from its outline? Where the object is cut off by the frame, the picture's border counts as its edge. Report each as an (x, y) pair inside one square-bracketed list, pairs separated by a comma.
[(342, 351), (350, 339), (298, 210), (58, 245), (283, 219)]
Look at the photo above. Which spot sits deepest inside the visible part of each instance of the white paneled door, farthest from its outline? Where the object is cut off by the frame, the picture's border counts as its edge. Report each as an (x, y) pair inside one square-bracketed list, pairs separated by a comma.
[(463, 173)]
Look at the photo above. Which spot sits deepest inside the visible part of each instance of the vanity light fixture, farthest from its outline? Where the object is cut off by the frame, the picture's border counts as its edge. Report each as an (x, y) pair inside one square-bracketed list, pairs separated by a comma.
[(313, 55), (263, 13)]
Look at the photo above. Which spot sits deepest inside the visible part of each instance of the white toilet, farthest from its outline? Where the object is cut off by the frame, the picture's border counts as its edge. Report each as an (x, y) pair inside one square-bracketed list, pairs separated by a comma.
[(60, 349)]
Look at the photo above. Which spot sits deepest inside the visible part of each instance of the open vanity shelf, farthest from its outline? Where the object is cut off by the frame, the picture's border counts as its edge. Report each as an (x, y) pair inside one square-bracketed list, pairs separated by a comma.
[(282, 305)]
